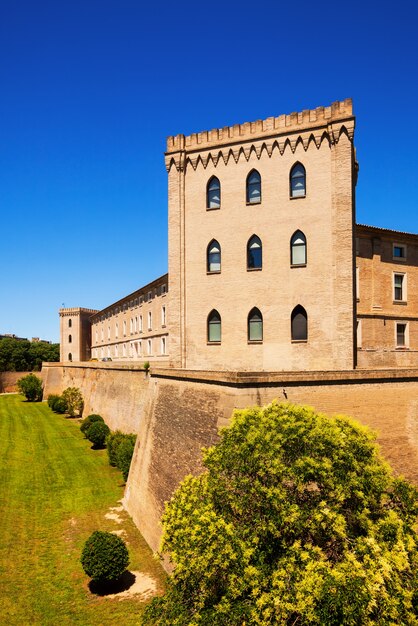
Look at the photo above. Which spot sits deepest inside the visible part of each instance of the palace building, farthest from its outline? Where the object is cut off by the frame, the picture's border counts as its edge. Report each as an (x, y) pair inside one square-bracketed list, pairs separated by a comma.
[(267, 269)]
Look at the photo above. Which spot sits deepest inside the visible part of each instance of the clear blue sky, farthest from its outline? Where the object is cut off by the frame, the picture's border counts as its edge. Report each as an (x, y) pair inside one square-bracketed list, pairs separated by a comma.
[(90, 90)]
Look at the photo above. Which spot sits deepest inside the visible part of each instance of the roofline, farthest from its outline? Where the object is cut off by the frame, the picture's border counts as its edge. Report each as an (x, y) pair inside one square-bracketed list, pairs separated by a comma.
[(379, 229), (134, 294)]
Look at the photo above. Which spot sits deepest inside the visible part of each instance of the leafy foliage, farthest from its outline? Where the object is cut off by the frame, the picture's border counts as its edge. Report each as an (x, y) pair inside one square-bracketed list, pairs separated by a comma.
[(74, 401), (124, 455), (23, 356), (31, 387), (298, 520), (105, 557), (90, 419), (113, 441), (52, 398), (59, 405), (97, 433)]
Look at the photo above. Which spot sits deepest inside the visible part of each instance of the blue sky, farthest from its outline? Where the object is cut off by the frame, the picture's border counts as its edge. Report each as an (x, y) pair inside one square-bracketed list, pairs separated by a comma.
[(90, 90)]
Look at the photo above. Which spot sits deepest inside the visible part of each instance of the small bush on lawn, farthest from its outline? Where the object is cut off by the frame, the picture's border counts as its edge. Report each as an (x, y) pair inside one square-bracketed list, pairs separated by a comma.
[(59, 405), (90, 419), (31, 387), (113, 441), (52, 398), (97, 434), (105, 557), (74, 400), (124, 455)]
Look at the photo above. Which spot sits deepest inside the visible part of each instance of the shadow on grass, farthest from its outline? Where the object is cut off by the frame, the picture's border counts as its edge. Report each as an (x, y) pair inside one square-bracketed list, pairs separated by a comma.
[(123, 583)]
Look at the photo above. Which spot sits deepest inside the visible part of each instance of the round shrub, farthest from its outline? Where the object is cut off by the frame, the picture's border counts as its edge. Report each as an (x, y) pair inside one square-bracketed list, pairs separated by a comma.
[(59, 405), (74, 400), (31, 387), (105, 557), (97, 434), (52, 398), (90, 419)]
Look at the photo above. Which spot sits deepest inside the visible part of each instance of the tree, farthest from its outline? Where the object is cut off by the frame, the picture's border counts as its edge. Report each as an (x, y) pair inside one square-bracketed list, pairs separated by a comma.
[(124, 455), (105, 557), (73, 400), (17, 355), (31, 387), (297, 520)]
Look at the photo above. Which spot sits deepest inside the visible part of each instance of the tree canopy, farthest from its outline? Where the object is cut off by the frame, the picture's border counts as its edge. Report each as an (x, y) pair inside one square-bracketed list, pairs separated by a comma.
[(18, 355), (297, 520)]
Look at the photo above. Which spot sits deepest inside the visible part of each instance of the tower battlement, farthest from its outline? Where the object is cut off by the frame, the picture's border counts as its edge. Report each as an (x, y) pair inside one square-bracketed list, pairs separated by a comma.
[(294, 122)]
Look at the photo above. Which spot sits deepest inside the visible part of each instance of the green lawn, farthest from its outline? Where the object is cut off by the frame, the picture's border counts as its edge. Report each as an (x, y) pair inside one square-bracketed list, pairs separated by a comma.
[(54, 491)]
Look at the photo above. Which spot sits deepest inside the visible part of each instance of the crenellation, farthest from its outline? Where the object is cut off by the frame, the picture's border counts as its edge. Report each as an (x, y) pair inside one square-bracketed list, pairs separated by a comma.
[(295, 121)]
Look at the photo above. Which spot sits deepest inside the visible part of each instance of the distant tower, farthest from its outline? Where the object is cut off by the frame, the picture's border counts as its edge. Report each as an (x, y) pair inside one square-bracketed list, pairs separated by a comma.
[(75, 334)]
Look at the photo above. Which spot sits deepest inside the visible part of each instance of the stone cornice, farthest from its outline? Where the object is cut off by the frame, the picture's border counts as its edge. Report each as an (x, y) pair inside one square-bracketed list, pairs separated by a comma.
[(285, 132)]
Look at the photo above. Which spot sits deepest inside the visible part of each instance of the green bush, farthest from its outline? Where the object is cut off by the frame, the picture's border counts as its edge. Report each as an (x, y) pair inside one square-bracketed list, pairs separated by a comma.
[(52, 398), (97, 434), (105, 557), (31, 387), (59, 405), (113, 441), (90, 419), (74, 400), (124, 455), (147, 366)]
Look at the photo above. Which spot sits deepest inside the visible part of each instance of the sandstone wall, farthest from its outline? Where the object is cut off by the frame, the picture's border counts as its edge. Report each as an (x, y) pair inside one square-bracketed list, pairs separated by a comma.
[(8, 380)]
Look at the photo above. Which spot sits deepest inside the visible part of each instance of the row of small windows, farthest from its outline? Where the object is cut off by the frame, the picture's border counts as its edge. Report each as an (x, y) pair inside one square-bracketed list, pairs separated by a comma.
[(161, 290), (135, 349), (297, 187), (298, 325), (255, 253), (135, 325)]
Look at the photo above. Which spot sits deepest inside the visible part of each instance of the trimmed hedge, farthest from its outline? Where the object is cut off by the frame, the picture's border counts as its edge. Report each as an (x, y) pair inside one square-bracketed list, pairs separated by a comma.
[(31, 387), (97, 434), (105, 557), (90, 419), (124, 455)]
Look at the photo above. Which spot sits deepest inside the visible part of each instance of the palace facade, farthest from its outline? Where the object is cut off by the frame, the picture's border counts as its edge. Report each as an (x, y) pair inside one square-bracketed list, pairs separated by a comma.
[(267, 269)]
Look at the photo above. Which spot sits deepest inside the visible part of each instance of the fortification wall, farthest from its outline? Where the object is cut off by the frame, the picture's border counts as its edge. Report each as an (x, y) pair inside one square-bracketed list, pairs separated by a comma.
[(177, 412), (119, 393), (8, 380)]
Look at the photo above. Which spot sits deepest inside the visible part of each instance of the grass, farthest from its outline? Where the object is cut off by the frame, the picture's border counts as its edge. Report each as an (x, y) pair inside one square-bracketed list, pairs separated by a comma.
[(54, 491)]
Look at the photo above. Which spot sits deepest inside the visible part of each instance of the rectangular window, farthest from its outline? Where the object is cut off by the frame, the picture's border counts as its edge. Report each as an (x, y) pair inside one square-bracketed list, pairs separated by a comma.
[(96, 335), (102, 334), (162, 345), (140, 348), (163, 316), (140, 324), (117, 330), (131, 326), (399, 252), (136, 324), (116, 350), (108, 334), (163, 289), (149, 346), (358, 333), (149, 295), (401, 335), (149, 320), (399, 287), (124, 349)]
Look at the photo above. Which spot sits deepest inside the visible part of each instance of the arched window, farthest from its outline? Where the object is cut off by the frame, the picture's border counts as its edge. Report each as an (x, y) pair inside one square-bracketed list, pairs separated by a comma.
[(298, 248), (255, 325), (214, 326), (70, 357), (253, 187), (254, 253), (70, 323), (213, 263), (299, 323), (213, 193), (297, 181), (70, 338)]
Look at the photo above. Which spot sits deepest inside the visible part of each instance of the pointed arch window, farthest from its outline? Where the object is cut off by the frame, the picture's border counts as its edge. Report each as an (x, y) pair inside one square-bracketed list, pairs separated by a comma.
[(213, 262), (299, 324), (254, 253), (298, 249), (253, 187), (297, 181), (255, 325), (214, 327), (213, 193)]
